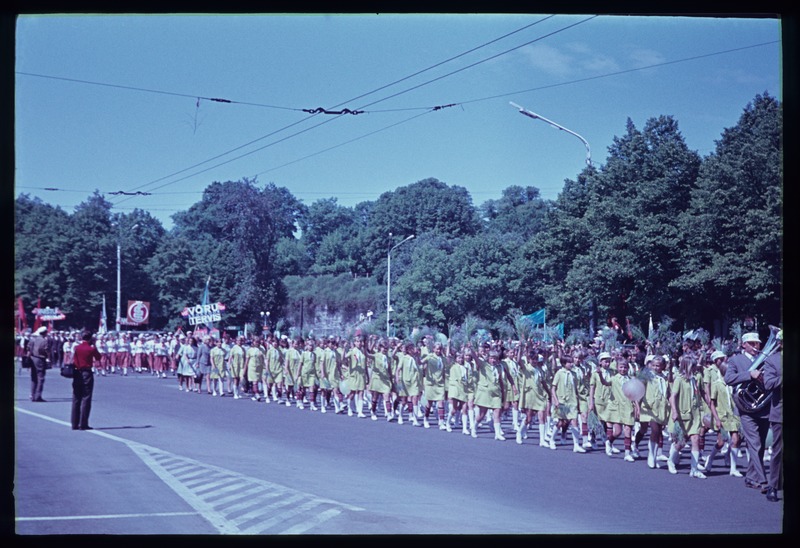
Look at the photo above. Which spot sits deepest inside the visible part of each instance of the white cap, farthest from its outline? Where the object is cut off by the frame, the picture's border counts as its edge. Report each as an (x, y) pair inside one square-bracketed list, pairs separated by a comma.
[(604, 355), (41, 330), (751, 337), (716, 355)]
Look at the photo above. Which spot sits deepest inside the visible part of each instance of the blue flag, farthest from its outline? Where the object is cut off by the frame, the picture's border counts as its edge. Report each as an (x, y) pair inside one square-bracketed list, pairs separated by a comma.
[(537, 318)]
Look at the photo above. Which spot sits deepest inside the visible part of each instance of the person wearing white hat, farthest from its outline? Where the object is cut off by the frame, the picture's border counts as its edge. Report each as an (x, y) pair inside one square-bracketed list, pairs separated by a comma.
[(755, 424), (725, 415), (38, 350), (600, 396)]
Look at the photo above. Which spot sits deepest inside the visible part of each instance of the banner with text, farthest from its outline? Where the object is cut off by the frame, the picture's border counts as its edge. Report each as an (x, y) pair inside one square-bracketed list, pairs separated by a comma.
[(203, 313)]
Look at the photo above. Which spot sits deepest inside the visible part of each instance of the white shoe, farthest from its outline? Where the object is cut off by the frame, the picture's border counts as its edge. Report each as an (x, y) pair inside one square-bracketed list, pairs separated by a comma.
[(609, 451), (662, 458), (349, 412), (635, 453), (446, 427), (390, 417), (180, 389), (578, 449), (323, 409), (362, 416), (735, 473), (414, 420), (588, 445), (671, 467), (697, 474), (651, 461), (703, 466), (552, 445), (373, 416), (400, 418), (425, 423), (629, 458), (214, 393), (313, 407)]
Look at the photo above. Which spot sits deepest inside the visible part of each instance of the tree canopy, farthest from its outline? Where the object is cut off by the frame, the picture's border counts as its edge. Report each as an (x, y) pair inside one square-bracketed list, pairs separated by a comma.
[(655, 230)]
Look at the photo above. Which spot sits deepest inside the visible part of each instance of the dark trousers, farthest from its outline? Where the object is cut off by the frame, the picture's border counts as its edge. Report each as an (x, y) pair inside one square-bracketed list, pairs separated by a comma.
[(38, 368), (776, 461), (754, 430), (82, 388)]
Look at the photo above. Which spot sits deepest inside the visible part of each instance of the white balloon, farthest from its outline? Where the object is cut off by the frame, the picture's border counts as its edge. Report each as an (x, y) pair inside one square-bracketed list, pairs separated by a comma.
[(633, 389)]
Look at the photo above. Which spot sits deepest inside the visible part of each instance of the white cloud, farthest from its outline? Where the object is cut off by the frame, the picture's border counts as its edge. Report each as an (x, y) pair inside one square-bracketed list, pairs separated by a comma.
[(549, 59)]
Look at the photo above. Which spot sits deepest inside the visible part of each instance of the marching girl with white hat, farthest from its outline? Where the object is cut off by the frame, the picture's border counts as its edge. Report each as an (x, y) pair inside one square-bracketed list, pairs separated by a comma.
[(686, 408), (725, 414)]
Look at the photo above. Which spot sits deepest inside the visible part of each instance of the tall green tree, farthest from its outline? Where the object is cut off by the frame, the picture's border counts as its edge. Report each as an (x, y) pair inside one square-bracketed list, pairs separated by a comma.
[(520, 210), (40, 244), (732, 231), (251, 220)]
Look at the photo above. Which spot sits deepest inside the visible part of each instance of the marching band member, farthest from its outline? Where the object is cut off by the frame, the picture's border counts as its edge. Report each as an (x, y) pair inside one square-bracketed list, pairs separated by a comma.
[(754, 424)]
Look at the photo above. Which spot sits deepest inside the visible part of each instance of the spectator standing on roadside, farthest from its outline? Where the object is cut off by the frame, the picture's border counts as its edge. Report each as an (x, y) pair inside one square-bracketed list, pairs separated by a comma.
[(38, 348), (85, 358)]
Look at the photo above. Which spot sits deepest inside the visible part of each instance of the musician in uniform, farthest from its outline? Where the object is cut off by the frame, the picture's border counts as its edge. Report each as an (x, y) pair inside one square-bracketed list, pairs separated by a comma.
[(755, 423), (773, 381)]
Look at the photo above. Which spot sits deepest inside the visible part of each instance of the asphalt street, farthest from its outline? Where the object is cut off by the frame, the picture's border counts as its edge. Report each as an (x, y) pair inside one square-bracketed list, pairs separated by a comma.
[(160, 461)]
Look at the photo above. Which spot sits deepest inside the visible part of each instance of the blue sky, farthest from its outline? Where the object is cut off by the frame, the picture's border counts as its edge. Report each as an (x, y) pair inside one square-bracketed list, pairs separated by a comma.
[(110, 102)]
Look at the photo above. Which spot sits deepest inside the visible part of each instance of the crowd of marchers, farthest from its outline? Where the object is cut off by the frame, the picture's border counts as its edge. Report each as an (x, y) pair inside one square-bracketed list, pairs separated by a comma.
[(584, 395)]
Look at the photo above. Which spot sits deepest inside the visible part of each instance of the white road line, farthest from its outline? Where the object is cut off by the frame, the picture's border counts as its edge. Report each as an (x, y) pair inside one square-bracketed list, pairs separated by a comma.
[(248, 501), (218, 520), (311, 522), (168, 467), (266, 510), (108, 516), (263, 526)]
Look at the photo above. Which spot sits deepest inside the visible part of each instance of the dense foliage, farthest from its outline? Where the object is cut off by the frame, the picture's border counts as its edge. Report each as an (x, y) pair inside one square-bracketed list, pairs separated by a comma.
[(655, 231)]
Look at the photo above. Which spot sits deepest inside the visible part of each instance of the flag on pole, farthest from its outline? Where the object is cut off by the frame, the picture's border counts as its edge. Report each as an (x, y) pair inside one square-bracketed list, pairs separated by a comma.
[(102, 329), (560, 330), (205, 300), (22, 321), (37, 323), (537, 318)]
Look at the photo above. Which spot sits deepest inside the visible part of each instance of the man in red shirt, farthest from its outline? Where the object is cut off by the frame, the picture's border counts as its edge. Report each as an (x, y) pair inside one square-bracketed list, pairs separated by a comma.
[(83, 381)]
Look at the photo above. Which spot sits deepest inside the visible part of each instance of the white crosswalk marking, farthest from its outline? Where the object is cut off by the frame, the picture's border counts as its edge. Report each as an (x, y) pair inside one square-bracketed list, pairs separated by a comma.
[(236, 504)]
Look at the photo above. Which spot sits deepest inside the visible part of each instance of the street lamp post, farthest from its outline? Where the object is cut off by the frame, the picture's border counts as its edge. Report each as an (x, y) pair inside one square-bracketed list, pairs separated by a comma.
[(389, 280), (557, 126), (119, 279)]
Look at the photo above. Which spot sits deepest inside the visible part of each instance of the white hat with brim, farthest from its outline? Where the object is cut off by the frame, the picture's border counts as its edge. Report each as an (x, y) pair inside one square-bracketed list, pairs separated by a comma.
[(750, 337), (716, 355), (604, 356), (41, 330)]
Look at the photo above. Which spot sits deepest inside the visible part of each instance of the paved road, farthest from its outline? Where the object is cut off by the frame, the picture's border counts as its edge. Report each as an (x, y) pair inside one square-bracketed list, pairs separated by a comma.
[(162, 461)]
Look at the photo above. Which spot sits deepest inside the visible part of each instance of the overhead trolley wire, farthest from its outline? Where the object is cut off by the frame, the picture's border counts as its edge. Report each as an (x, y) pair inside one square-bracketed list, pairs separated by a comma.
[(316, 114)]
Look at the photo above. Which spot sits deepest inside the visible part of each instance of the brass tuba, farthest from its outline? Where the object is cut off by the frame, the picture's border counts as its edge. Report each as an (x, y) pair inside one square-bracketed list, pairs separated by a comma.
[(751, 396)]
